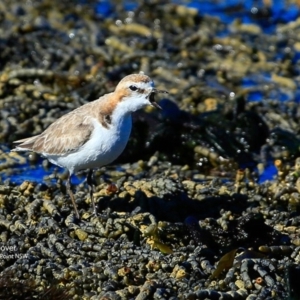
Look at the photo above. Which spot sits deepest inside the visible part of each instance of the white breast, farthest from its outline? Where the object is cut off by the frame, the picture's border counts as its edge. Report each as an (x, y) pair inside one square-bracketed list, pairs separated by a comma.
[(104, 146)]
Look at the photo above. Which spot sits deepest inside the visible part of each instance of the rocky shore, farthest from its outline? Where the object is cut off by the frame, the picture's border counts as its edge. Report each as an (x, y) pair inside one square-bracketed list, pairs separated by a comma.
[(182, 214)]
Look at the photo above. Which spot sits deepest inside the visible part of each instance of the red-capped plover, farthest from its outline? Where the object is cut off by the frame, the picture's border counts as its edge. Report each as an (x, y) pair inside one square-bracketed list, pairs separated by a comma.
[(94, 134)]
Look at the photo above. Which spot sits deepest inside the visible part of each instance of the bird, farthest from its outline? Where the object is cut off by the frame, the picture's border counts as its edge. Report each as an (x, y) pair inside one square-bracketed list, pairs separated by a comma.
[(94, 134)]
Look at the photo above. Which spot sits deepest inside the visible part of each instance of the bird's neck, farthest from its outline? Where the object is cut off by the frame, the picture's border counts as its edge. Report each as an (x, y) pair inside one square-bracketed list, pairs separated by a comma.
[(120, 119)]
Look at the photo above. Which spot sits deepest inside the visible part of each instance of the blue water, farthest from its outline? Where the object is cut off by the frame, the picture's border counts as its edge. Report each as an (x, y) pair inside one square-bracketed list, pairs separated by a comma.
[(269, 173), (37, 173), (249, 12)]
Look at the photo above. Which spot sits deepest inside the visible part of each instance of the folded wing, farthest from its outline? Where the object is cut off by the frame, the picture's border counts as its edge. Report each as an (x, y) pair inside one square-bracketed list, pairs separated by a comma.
[(64, 136)]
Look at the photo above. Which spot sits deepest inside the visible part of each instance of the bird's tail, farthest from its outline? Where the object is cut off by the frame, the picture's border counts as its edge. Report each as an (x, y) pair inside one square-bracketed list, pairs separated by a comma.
[(25, 144)]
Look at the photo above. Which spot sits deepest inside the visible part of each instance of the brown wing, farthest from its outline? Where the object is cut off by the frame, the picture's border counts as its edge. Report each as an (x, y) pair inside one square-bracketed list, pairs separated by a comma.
[(72, 130), (65, 135)]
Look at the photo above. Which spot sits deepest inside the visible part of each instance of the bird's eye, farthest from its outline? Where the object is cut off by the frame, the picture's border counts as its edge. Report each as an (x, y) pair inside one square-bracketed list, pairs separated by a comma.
[(133, 87)]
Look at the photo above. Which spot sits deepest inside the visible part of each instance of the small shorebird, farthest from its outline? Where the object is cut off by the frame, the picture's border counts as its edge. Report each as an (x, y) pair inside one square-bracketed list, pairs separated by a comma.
[(94, 134)]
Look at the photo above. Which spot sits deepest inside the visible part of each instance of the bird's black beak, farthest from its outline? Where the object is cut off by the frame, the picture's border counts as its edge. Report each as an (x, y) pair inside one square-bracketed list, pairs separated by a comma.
[(151, 97)]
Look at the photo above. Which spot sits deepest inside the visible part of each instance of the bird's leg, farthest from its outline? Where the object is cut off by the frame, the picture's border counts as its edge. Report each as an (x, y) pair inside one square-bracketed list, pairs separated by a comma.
[(68, 185), (89, 180)]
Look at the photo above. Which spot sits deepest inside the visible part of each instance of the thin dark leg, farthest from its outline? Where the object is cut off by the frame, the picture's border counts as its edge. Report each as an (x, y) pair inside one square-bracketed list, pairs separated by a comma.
[(89, 180), (68, 185)]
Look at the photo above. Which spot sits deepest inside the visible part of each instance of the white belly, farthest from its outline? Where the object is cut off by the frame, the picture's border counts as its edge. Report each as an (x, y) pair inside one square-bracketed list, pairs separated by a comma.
[(104, 146)]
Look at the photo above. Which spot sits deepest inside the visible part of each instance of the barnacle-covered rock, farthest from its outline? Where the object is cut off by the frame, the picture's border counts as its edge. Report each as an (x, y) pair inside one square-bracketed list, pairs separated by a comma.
[(182, 216)]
